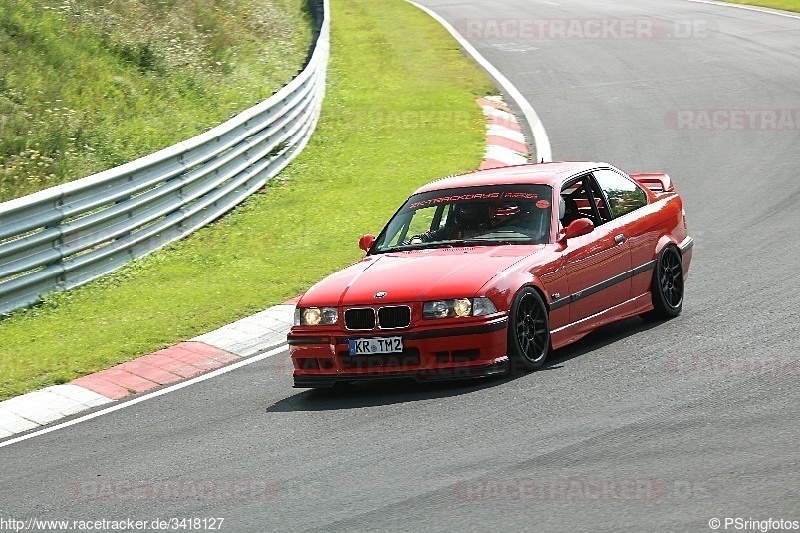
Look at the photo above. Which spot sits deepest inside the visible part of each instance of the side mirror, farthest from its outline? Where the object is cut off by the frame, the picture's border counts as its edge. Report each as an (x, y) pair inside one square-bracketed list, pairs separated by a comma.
[(366, 242), (579, 227)]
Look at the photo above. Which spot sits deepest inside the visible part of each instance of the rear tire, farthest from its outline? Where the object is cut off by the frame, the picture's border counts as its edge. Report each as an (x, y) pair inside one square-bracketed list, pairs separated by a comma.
[(528, 332), (667, 286)]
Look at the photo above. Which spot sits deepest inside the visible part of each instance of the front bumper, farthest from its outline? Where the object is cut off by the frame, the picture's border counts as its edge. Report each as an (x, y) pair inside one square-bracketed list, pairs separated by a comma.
[(433, 353), (470, 372)]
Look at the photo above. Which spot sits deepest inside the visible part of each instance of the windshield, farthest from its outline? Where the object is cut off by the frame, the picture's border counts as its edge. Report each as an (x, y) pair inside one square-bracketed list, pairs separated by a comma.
[(490, 215)]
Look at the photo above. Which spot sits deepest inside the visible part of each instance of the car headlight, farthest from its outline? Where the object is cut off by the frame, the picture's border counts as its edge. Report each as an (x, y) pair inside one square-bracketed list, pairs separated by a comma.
[(458, 307), (314, 316), (483, 306)]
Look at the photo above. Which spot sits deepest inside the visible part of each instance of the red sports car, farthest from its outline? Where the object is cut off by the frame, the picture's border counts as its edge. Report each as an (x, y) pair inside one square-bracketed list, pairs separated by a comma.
[(487, 272)]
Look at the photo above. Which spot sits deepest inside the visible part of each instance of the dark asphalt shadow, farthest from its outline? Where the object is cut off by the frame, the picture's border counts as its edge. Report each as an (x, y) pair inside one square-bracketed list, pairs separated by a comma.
[(608, 334), (372, 394)]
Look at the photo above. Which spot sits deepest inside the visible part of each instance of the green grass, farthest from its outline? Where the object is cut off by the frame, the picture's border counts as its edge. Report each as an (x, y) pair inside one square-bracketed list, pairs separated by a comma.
[(786, 5), (399, 112), (86, 85)]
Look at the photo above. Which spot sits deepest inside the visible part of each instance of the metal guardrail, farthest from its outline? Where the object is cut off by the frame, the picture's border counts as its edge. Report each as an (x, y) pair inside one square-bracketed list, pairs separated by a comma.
[(65, 236)]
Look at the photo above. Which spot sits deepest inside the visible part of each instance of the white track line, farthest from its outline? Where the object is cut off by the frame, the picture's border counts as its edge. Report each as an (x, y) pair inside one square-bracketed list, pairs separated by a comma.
[(148, 396), (748, 8), (540, 138)]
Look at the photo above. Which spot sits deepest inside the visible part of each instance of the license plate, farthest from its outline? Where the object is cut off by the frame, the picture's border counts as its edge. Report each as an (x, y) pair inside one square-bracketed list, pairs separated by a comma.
[(376, 346)]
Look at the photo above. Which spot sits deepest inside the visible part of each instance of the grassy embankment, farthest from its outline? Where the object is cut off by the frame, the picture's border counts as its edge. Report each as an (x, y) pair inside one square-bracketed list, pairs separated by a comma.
[(399, 112), (785, 5), (86, 85)]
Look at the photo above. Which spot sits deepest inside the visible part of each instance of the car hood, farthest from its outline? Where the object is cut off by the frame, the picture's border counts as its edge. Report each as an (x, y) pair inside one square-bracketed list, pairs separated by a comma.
[(416, 275)]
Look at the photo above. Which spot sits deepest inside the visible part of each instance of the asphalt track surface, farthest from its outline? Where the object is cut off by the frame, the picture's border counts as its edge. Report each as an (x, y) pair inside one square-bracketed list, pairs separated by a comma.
[(639, 427)]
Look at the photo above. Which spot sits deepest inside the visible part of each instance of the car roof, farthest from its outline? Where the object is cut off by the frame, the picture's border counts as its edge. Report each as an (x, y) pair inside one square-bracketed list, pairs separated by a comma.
[(538, 173)]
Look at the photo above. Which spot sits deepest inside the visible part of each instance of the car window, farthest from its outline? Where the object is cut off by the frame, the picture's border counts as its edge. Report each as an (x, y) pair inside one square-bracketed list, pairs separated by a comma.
[(423, 221), (496, 214), (622, 193), (600, 202), (581, 200)]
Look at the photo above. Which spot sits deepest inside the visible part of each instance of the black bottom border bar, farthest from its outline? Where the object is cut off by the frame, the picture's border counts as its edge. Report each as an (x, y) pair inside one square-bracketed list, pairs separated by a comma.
[(420, 376)]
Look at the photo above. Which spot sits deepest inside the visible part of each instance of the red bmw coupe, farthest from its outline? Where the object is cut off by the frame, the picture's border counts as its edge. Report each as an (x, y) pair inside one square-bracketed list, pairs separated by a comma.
[(487, 272)]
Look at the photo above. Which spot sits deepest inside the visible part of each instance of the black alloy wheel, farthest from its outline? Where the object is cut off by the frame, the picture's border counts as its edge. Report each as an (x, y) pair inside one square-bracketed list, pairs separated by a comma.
[(528, 332), (667, 285)]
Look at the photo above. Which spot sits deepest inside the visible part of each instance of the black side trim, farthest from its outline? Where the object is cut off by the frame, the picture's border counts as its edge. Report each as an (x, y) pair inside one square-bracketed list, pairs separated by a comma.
[(650, 265), (298, 341), (455, 332), (594, 289)]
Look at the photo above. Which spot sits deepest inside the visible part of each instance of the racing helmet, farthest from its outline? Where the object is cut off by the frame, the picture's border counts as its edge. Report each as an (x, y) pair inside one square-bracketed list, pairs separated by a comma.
[(472, 215)]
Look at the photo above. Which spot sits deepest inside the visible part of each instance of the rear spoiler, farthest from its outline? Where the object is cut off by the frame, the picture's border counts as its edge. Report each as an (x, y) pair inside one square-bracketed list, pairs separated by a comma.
[(654, 181)]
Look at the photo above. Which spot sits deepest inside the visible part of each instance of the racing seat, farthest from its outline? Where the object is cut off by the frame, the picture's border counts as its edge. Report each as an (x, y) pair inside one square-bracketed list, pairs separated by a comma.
[(571, 212)]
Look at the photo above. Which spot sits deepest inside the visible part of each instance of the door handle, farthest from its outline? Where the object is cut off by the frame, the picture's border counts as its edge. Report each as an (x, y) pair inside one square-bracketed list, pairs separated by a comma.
[(619, 239)]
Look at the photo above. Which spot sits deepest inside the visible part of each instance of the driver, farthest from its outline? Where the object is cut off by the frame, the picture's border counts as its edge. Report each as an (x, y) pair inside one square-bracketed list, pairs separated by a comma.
[(468, 219), (471, 216)]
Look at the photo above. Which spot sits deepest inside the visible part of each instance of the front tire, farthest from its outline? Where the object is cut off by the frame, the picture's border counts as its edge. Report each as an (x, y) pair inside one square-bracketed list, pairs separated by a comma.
[(528, 332), (667, 287)]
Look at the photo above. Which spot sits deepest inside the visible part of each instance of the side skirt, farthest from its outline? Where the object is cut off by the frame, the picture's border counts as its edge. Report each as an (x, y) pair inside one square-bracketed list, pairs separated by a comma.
[(575, 330)]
